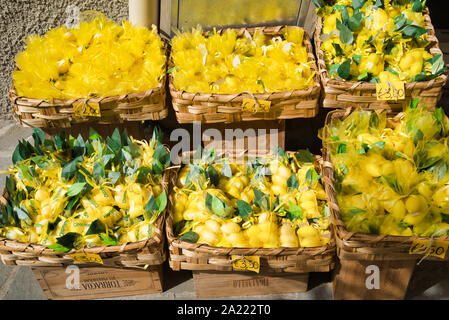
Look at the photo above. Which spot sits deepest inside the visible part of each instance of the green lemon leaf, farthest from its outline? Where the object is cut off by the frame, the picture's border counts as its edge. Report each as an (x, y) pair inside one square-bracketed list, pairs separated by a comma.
[(261, 200), (292, 182), (417, 5), (312, 176), (96, 227), (346, 35), (412, 31), (75, 189), (38, 136), (226, 171), (244, 209), (437, 64), (355, 21), (213, 175), (58, 247), (69, 170), (338, 50), (108, 240), (79, 147), (68, 240), (304, 156), (344, 70), (294, 211), (341, 148), (363, 76), (358, 4), (190, 236), (161, 201)]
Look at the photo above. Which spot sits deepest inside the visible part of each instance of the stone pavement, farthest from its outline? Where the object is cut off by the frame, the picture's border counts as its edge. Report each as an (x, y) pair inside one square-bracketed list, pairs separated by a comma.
[(430, 279)]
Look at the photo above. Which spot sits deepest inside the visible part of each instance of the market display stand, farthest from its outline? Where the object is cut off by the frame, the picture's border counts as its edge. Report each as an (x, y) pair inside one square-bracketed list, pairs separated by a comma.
[(350, 278)]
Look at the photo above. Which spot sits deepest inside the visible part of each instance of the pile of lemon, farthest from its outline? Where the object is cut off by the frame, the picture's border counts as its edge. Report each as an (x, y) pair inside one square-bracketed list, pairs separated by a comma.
[(268, 202), (68, 193), (392, 178), (233, 63), (377, 41), (98, 58)]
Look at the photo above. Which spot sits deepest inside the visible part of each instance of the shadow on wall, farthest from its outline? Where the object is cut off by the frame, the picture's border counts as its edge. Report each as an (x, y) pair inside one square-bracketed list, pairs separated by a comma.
[(18, 19)]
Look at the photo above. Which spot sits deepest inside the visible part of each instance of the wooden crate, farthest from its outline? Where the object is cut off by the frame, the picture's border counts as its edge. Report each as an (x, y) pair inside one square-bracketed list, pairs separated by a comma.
[(98, 282), (210, 284), (353, 279)]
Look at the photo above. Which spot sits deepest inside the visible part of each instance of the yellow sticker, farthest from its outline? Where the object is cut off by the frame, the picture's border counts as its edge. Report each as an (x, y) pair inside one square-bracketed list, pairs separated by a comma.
[(86, 257), (390, 90), (438, 249), (250, 263), (249, 105), (87, 109)]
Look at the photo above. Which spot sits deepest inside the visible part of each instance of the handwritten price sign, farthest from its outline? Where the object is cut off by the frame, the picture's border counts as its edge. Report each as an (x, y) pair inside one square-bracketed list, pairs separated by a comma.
[(438, 248), (86, 257), (250, 105), (390, 90), (86, 109), (249, 263)]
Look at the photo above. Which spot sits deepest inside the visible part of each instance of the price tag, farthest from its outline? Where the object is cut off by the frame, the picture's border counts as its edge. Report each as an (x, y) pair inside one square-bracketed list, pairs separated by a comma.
[(249, 105), (86, 257), (438, 249), (249, 263), (86, 109), (390, 90)]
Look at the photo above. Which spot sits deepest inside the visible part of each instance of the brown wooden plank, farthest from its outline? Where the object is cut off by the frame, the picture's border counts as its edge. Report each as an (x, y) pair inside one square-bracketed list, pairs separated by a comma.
[(350, 280), (98, 282), (209, 284), (260, 135)]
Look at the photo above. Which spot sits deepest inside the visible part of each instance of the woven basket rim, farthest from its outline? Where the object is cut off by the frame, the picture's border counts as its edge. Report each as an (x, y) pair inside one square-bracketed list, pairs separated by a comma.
[(346, 238), (68, 102), (39, 249), (209, 97), (330, 248), (440, 81)]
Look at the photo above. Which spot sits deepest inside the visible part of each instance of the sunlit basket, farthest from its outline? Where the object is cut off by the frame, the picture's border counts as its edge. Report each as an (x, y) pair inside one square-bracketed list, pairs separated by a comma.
[(60, 113), (216, 108), (358, 245), (185, 255), (143, 254), (344, 94)]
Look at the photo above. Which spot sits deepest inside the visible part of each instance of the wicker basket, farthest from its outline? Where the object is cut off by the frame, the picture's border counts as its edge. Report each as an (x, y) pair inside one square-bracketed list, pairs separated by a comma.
[(358, 245), (184, 255), (144, 254), (60, 113), (342, 94), (215, 108)]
